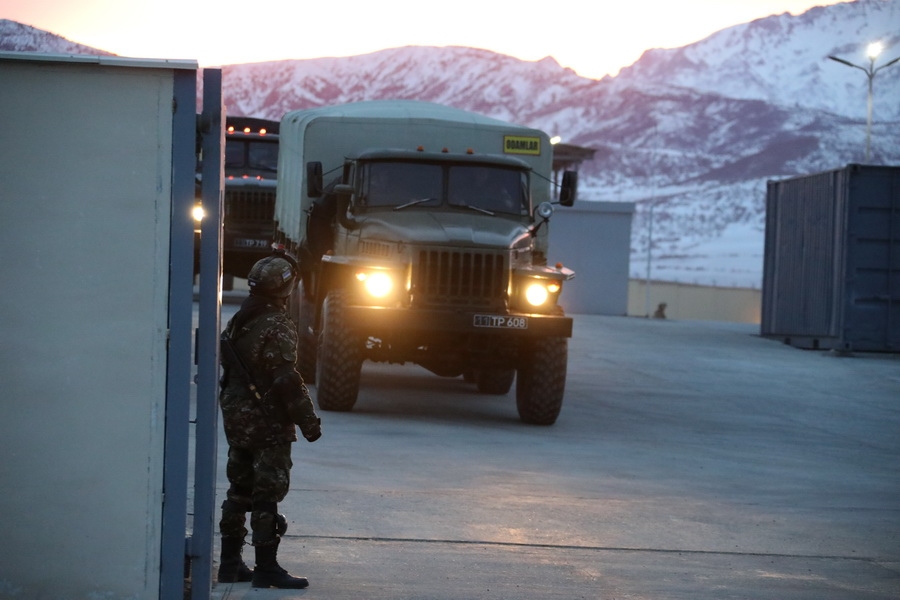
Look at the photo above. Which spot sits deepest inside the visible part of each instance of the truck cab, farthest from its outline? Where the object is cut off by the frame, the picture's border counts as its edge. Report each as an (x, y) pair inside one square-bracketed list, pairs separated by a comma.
[(432, 257)]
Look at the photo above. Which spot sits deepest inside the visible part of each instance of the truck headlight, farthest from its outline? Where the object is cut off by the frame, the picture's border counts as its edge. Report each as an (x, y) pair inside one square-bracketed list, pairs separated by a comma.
[(541, 293), (378, 283), (536, 294)]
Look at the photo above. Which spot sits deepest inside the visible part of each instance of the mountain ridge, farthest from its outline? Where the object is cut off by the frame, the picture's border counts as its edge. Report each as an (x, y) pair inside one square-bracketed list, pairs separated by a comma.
[(18, 37)]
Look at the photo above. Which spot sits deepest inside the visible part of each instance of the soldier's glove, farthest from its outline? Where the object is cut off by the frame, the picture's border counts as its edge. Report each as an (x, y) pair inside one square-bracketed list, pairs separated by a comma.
[(289, 389), (311, 429)]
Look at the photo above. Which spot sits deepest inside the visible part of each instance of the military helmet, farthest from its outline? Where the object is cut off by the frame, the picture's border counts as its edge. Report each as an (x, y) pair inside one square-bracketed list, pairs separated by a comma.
[(274, 275)]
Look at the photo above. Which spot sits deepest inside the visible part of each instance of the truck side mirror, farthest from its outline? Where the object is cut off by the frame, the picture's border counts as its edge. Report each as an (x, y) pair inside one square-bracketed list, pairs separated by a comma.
[(569, 189), (344, 192), (314, 179)]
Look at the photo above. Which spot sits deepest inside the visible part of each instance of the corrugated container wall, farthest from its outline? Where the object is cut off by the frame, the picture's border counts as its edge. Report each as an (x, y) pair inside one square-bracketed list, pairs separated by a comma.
[(831, 278)]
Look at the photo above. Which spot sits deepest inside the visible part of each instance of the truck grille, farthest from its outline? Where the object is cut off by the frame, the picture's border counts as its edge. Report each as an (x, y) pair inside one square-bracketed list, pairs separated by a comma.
[(458, 278), (249, 205)]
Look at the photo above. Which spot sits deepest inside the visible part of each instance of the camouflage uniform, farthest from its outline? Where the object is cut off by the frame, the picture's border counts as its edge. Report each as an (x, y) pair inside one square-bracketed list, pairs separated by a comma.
[(260, 431), (263, 397)]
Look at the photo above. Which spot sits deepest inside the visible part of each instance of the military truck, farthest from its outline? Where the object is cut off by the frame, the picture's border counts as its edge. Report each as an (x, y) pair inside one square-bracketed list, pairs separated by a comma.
[(421, 232), (251, 164)]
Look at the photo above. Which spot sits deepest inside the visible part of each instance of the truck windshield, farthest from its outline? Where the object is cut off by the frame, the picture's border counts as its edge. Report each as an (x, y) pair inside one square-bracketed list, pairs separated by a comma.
[(251, 155), (485, 188), (488, 188), (396, 184)]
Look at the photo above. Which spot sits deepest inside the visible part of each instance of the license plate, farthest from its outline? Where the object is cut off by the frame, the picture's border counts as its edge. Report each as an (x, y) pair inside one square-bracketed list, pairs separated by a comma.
[(501, 322), (250, 243)]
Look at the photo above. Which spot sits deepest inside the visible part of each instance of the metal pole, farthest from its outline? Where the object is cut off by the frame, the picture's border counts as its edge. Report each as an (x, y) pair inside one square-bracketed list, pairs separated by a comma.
[(871, 74), (649, 260), (212, 134), (178, 390)]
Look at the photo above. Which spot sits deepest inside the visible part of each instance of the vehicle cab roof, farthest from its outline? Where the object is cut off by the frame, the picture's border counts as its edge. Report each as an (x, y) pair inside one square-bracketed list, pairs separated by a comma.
[(396, 154)]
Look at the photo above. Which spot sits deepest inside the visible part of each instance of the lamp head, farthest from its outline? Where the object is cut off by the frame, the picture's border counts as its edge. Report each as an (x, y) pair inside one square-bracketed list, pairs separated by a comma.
[(874, 50)]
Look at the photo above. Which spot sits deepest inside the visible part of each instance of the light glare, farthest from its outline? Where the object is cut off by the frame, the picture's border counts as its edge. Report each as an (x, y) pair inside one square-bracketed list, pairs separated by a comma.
[(378, 285), (536, 294), (874, 50)]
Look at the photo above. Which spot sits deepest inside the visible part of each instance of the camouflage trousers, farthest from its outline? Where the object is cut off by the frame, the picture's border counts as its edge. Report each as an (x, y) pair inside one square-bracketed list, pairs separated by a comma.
[(259, 480)]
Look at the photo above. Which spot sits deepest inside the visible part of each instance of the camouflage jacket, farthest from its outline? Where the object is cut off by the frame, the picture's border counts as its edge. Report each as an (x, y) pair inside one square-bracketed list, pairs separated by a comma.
[(266, 340)]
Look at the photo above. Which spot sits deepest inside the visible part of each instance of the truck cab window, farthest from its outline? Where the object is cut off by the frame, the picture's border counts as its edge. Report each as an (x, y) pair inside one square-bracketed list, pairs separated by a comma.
[(235, 154), (398, 184), (251, 155), (488, 188), (262, 156)]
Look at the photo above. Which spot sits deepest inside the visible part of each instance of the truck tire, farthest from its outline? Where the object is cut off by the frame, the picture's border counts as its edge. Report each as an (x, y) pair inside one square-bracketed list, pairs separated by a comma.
[(304, 314), (541, 382), (339, 359), (494, 381)]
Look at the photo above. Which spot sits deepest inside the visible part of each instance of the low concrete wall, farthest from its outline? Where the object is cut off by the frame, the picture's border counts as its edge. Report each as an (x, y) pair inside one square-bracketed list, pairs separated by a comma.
[(694, 302)]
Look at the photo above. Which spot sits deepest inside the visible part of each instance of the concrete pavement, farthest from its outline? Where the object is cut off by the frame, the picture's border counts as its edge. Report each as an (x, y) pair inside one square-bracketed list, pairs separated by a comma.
[(691, 460)]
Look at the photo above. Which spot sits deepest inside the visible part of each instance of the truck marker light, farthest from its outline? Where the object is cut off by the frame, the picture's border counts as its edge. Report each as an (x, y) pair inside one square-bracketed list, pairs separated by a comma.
[(554, 288), (246, 130)]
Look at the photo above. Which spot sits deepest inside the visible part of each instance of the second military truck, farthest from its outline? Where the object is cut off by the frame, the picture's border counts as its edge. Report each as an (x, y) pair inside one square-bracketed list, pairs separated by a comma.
[(421, 232)]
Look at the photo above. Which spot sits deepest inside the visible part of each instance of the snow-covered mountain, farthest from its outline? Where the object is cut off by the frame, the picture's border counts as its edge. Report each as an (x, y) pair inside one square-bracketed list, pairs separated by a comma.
[(783, 60), (16, 37), (690, 134)]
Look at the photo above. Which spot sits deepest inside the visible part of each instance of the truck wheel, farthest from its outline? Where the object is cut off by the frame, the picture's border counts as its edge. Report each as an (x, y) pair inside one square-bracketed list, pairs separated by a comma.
[(494, 381), (304, 314), (339, 360), (541, 381)]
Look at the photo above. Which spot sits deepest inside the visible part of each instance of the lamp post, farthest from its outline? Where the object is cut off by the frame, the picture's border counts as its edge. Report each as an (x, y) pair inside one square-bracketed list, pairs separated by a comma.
[(873, 51)]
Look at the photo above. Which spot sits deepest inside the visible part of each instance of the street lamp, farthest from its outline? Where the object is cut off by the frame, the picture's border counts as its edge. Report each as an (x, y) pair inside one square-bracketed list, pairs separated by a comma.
[(873, 51)]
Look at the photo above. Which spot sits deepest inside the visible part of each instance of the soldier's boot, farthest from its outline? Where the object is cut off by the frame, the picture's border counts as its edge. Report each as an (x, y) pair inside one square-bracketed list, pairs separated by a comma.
[(269, 574), (232, 568)]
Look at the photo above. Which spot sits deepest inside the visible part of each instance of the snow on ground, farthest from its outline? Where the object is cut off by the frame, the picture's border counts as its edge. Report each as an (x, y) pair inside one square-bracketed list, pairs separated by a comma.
[(734, 259)]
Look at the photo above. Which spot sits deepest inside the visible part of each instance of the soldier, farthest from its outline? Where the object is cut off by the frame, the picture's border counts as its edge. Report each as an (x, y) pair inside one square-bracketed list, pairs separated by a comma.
[(262, 399)]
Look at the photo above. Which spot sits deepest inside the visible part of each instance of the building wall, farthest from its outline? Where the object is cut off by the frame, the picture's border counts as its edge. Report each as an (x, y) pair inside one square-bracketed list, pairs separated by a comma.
[(594, 240), (86, 175)]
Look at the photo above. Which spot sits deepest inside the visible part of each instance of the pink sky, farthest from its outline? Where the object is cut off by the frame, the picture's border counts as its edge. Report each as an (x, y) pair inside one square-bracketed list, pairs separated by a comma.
[(593, 37)]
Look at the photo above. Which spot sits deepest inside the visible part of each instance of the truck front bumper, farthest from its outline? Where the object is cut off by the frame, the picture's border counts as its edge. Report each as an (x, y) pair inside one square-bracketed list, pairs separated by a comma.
[(376, 320)]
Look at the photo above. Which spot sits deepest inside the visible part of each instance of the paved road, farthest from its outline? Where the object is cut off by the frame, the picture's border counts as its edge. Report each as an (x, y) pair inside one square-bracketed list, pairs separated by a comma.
[(691, 460)]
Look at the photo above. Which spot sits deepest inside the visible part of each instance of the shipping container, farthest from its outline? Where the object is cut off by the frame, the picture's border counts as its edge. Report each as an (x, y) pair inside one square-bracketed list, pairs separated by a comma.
[(831, 277)]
